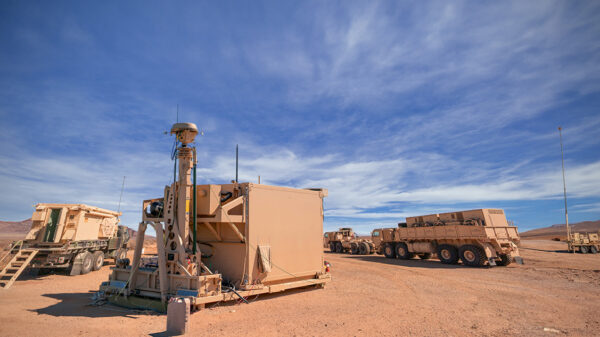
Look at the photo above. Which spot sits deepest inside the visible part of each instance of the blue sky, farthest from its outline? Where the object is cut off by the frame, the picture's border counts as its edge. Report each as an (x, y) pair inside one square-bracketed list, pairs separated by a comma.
[(398, 108)]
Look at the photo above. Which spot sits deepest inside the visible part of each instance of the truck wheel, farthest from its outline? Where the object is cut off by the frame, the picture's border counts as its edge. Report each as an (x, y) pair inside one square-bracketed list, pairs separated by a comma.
[(87, 263), (120, 254), (472, 256), (388, 251), (402, 251), (364, 248), (447, 254), (505, 260), (332, 247), (354, 248), (98, 258), (583, 249), (338, 247), (425, 256), (594, 250)]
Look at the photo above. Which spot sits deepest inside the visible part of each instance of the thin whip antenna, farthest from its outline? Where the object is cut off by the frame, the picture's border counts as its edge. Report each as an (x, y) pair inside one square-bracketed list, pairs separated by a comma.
[(562, 156), (236, 163), (121, 196), (177, 118)]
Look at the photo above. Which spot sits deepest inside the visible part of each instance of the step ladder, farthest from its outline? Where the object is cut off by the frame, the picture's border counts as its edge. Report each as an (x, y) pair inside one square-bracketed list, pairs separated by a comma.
[(16, 266)]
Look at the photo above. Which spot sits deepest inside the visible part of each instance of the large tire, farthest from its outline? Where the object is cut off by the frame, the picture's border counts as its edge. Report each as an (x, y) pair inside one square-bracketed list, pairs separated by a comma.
[(472, 255), (583, 249), (338, 247), (425, 256), (402, 251), (593, 249), (364, 248), (332, 247), (389, 251), (447, 254), (505, 260), (87, 263), (354, 248), (120, 254), (98, 260)]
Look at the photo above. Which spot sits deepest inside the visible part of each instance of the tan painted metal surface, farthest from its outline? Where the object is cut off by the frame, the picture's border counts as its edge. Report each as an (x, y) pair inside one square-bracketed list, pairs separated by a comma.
[(477, 237), (345, 240), (75, 222), (584, 242), (249, 239)]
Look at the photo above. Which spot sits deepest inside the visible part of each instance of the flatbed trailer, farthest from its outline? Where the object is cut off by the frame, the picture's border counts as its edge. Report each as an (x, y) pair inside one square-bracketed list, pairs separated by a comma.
[(477, 237)]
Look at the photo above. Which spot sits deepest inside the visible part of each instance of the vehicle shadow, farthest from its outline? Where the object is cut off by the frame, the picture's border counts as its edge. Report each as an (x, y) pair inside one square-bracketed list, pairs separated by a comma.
[(80, 305), (41, 273), (547, 250), (35, 274), (415, 262)]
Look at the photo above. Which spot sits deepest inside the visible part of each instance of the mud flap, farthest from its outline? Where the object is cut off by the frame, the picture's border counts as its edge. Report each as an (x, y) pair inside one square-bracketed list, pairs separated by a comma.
[(76, 265), (518, 259), (490, 252), (492, 262)]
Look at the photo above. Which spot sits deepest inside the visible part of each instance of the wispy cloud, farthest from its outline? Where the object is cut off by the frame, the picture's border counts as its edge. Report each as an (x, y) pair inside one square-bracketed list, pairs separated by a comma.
[(397, 108)]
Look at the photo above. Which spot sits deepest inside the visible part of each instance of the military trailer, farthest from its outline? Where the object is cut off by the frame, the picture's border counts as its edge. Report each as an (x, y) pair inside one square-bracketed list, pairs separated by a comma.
[(221, 242), (75, 237), (345, 241), (477, 237), (584, 243)]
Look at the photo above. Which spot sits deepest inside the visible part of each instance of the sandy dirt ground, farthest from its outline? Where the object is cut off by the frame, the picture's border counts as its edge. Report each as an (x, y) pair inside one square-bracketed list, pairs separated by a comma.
[(555, 293)]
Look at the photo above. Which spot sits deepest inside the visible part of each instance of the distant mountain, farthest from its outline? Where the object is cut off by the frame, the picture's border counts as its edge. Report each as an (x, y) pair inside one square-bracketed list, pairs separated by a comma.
[(559, 231), (15, 227)]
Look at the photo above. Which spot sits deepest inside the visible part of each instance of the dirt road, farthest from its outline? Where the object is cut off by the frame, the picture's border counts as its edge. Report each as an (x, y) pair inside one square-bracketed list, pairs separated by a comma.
[(554, 293)]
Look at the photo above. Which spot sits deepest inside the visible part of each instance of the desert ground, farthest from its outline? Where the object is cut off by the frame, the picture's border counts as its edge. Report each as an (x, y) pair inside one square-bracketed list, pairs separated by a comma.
[(554, 293)]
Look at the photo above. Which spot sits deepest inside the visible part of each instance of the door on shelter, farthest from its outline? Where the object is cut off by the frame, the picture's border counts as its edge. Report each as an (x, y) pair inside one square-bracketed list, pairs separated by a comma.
[(51, 225)]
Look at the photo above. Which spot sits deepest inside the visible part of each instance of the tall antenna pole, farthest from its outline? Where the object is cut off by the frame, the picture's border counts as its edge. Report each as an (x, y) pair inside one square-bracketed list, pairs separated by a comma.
[(177, 118), (562, 156), (236, 163), (121, 196)]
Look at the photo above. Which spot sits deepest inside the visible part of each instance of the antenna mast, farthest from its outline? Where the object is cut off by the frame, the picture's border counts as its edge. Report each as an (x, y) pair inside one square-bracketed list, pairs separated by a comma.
[(236, 163), (562, 156), (121, 196)]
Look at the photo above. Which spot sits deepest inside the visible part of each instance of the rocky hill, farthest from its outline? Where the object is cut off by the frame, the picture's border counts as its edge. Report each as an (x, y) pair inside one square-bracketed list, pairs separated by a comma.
[(15, 227), (559, 231)]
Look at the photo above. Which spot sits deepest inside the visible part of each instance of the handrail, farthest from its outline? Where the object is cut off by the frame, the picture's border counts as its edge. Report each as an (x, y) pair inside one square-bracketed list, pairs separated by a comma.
[(11, 249)]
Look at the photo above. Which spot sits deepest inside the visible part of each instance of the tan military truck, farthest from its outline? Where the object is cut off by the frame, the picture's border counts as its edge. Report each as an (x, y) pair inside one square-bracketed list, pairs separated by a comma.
[(345, 240), (378, 236), (75, 237), (477, 237), (584, 243)]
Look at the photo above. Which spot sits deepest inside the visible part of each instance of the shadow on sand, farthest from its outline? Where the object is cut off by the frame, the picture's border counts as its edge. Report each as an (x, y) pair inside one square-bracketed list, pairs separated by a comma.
[(547, 250), (79, 305), (41, 273), (415, 262)]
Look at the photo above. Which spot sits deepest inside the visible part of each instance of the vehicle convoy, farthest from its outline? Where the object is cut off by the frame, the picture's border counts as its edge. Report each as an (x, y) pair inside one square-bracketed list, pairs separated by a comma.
[(221, 242), (584, 243), (75, 237), (477, 237), (345, 240)]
